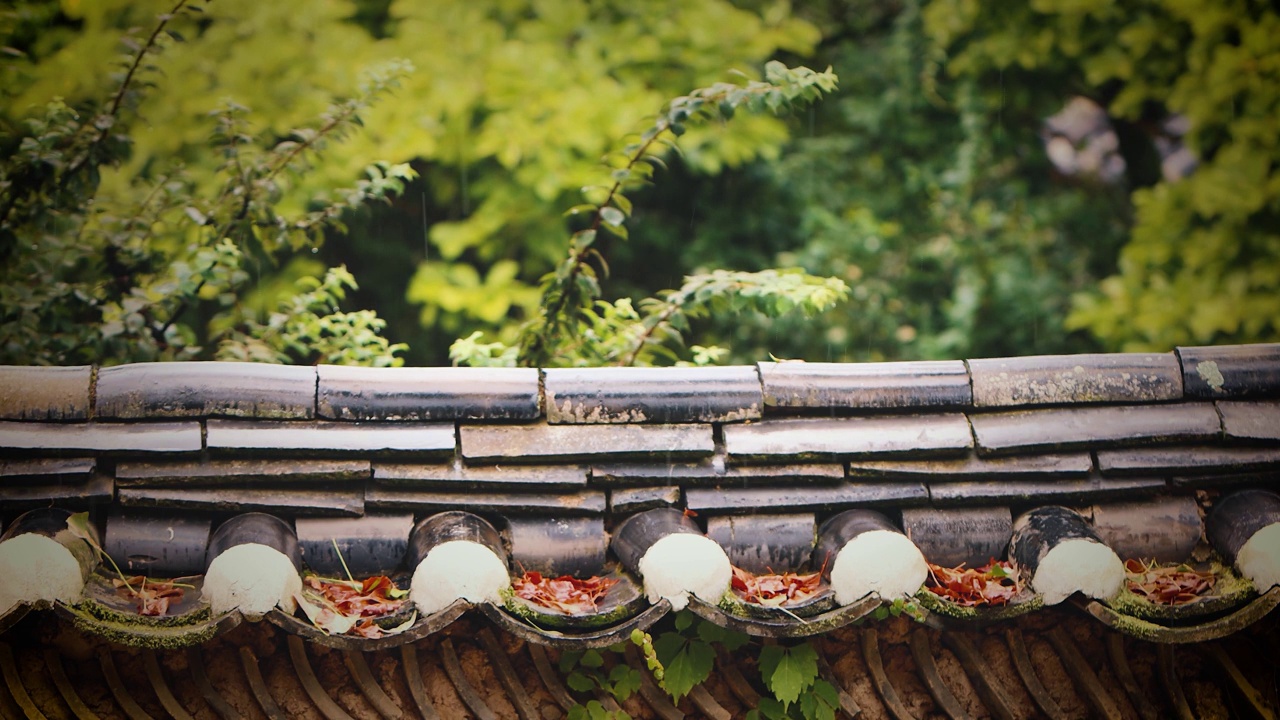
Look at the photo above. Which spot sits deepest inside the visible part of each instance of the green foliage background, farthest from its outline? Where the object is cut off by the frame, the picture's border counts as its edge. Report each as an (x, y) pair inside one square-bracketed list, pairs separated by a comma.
[(923, 183)]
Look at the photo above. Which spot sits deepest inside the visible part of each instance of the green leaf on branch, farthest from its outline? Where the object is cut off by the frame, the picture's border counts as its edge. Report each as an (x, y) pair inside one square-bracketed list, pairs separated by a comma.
[(788, 672)]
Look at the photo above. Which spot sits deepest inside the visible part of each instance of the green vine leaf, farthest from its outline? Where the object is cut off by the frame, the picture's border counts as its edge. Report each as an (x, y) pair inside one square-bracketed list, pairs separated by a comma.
[(788, 672)]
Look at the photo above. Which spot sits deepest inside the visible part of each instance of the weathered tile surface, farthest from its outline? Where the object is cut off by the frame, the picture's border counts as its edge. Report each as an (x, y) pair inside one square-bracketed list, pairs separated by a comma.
[(438, 393), (586, 502), (1231, 371), (627, 501), (922, 384), (1251, 420), (47, 469), (942, 434), (373, 544), (330, 438), (792, 499), (1198, 459), (97, 488), (1261, 478), (1065, 428), (157, 437), (711, 473), (559, 546), (975, 467), (766, 543), (480, 477), (239, 471), (44, 393), (1040, 493), (288, 501), (655, 395), (542, 441), (206, 389), (1076, 379), (959, 535)]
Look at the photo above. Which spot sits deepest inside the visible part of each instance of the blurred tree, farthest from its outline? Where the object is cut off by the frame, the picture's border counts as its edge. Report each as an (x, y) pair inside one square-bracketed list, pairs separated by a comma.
[(1202, 264)]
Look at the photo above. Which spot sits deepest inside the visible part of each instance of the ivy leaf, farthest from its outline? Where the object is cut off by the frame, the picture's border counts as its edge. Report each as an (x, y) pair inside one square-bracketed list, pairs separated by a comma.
[(580, 682), (625, 681), (612, 216), (592, 659), (788, 672), (688, 665)]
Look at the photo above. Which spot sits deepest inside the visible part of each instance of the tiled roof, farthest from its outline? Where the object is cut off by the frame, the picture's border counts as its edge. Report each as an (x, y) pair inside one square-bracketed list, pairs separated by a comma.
[(557, 458)]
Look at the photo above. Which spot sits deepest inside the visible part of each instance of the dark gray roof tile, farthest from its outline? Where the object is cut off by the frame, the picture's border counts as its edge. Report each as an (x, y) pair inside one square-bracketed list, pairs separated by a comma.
[(438, 393), (330, 438), (1041, 492), (206, 389), (457, 477), (1194, 460), (1066, 428), (1231, 371), (704, 473), (44, 393), (313, 501), (239, 472), (1262, 479), (158, 437), (626, 501), (652, 395), (541, 441), (766, 542), (47, 469), (868, 386), (941, 434), (801, 499), (585, 502), (974, 467), (1251, 420), (81, 492), (1074, 379)]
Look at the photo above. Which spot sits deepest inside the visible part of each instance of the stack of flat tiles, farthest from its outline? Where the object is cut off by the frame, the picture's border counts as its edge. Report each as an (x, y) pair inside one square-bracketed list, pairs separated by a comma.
[(780, 437)]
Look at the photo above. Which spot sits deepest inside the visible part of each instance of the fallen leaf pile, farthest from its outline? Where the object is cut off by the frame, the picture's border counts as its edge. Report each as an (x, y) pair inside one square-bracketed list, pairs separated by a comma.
[(773, 589), (152, 598), (993, 584), (569, 595), (1170, 585), (350, 606)]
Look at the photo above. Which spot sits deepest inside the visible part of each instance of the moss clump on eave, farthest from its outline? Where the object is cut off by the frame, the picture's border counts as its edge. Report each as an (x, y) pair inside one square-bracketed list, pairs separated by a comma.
[(941, 606), (134, 634), (1229, 591)]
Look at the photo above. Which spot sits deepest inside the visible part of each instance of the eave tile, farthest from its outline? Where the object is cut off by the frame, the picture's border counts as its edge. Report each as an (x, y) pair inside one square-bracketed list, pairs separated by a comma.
[(239, 472), (95, 489), (154, 437), (1206, 459), (1041, 492), (1231, 371), (47, 470), (1251, 420), (1066, 428), (714, 501), (206, 389), (330, 438), (1076, 379), (44, 393), (866, 386), (974, 467), (586, 502), (942, 434), (482, 477), (627, 501), (1262, 479), (712, 473), (438, 393), (542, 441), (293, 501), (652, 395)]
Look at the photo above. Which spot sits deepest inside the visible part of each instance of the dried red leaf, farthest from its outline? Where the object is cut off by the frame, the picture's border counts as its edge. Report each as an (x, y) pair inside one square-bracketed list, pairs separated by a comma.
[(567, 594), (993, 584), (373, 597), (775, 589), (151, 598), (1169, 584)]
